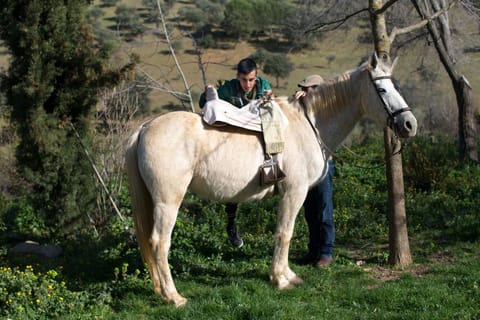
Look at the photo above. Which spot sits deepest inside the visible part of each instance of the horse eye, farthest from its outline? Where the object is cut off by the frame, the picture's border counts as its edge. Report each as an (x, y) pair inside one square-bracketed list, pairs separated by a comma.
[(381, 90)]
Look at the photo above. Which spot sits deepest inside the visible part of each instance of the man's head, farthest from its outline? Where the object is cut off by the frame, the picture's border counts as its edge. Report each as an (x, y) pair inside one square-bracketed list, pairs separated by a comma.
[(247, 74), (311, 82)]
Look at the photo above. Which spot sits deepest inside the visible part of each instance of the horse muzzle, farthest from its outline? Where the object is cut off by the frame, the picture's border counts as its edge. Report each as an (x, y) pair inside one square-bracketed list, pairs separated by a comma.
[(405, 125)]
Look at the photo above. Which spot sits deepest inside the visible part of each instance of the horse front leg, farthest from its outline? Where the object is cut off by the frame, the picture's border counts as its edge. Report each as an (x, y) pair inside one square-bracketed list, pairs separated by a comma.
[(280, 273)]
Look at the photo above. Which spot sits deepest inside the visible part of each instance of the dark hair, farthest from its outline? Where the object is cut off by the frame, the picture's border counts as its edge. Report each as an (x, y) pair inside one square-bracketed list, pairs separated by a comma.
[(245, 66)]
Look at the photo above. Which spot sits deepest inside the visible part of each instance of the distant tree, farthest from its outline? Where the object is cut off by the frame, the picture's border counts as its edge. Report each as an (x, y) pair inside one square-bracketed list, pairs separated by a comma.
[(206, 15), (51, 85), (274, 64), (239, 21), (151, 6), (440, 32), (95, 13), (102, 34), (129, 20), (193, 15), (268, 14)]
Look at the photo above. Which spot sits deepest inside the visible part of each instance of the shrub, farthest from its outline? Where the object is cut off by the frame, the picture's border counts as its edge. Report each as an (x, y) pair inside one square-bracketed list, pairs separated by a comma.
[(21, 220), (29, 295), (428, 161)]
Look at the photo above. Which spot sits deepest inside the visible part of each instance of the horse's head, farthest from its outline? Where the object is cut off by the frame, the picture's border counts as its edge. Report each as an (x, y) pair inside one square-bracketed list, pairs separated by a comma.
[(399, 114)]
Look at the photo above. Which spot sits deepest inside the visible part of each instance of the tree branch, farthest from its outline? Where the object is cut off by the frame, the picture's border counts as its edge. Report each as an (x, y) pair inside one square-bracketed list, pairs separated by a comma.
[(174, 56), (336, 23), (97, 174), (385, 7), (398, 31)]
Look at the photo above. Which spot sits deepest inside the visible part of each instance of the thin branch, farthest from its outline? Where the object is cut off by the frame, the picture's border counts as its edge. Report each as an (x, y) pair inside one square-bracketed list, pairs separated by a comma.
[(99, 176), (184, 97), (398, 31), (201, 64), (385, 7), (336, 23), (471, 7), (174, 56)]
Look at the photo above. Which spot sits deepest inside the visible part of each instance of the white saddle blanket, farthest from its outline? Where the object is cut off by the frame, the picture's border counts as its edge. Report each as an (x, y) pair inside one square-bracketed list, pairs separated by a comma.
[(220, 112)]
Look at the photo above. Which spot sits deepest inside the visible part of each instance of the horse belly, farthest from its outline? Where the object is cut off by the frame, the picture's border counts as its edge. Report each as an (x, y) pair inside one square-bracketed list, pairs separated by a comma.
[(230, 171)]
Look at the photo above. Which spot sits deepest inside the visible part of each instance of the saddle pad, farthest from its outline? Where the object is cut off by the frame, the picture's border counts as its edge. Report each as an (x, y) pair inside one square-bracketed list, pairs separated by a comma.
[(219, 112)]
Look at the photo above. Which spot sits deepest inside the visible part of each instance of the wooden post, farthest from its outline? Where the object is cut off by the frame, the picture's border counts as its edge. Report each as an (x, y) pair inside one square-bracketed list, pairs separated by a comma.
[(399, 246)]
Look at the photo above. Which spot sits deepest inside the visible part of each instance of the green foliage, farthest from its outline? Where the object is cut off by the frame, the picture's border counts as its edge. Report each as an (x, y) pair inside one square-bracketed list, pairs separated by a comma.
[(203, 16), (274, 64), (30, 295), (221, 281), (443, 194), (207, 41), (51, 83), (429, 161), (129, 21), (239, 19), (22, 221)]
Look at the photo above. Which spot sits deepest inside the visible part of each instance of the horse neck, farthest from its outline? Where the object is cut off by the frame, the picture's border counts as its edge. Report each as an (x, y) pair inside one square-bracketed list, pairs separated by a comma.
[(338, 107)]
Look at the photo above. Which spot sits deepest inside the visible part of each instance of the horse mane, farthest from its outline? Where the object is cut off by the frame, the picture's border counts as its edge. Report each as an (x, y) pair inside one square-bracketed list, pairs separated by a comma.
[(327, 97)]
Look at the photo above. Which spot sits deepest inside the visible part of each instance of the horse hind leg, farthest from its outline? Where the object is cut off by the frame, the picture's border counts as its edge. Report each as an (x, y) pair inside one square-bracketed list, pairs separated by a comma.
[(164, 221)]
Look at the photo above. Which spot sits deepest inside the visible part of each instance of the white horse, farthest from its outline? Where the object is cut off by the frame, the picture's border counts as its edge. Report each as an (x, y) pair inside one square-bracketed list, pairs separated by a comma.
[(177, 151)]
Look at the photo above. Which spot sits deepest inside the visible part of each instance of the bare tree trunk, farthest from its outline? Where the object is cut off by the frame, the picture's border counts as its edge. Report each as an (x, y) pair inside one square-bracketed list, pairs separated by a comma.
[(466, 125), (466, 120), (399, 246), (381, 39)]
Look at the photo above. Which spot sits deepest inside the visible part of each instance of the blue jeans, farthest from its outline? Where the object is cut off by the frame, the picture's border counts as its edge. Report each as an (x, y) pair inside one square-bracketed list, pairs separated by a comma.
[(319, 215)]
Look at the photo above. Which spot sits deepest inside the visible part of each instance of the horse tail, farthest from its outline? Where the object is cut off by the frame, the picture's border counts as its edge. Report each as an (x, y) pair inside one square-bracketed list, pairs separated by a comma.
[(142, 206)]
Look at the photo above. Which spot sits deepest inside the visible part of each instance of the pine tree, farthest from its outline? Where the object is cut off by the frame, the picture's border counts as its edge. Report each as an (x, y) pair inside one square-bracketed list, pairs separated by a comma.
[(55, 70)]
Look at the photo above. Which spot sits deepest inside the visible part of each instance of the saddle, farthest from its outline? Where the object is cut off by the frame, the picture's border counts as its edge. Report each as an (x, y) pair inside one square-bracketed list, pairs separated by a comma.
[(263, 115)]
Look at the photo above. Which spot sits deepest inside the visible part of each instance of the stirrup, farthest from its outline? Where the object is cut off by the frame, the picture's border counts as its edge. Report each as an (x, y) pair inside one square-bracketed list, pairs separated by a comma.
[(270, 172)]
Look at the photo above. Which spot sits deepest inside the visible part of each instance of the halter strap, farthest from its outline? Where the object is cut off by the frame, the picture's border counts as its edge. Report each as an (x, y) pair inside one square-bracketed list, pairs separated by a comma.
[(391, 115), (380, 78)]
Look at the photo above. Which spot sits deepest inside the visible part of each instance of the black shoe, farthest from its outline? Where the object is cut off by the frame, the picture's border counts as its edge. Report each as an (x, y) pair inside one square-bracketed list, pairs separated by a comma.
[(309, 258), (233, 236)]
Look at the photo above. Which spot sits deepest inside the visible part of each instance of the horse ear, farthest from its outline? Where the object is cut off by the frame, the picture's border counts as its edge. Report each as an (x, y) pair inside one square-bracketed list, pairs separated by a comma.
[(374, 60), (394, 63)]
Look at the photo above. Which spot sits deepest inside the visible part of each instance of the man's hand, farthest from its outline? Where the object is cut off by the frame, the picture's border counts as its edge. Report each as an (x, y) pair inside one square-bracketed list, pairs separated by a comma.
[(300, 94)]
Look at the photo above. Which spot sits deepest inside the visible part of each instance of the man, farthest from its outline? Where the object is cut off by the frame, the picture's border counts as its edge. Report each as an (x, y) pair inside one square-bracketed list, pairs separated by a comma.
[(240, 91), (318, 205)]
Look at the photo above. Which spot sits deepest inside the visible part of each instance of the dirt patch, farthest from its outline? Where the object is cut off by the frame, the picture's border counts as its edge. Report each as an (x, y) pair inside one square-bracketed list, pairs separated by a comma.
[(392, 273)]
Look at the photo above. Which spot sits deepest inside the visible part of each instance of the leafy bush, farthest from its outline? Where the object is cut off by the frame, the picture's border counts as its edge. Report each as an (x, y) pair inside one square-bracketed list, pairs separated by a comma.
[(21, 220), (30, 295), (429, 161)]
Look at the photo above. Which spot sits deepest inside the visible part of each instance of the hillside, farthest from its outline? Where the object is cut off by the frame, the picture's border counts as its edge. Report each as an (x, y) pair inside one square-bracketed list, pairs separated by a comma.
[(335, 52)]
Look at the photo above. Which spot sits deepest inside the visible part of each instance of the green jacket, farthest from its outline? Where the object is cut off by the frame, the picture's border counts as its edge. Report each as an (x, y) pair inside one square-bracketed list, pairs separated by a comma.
[(231, 91)]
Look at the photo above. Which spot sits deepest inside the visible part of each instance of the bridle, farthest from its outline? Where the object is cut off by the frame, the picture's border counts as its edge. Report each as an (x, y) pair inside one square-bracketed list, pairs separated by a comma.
[(391, 115), (391, 118)]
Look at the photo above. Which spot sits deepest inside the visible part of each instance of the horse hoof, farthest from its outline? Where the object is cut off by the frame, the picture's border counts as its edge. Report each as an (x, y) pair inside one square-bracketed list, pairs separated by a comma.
[(179, 301), (283, 284), (296, 281)]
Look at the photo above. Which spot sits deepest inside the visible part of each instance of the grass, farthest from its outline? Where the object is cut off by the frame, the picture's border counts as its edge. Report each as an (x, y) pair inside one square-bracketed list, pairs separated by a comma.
[(344, 291), (103, 278)]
